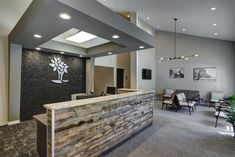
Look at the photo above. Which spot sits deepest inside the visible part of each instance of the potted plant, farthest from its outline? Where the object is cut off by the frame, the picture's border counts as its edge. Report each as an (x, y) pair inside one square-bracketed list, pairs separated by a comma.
[(231, 112)]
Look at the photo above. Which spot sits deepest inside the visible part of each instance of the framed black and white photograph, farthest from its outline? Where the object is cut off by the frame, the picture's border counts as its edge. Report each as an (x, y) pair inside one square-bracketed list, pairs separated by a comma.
[(207, 73), (176, 72)]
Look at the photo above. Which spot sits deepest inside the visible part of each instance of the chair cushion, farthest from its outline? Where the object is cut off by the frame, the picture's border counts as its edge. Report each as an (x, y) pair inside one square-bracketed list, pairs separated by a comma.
[(184, 103), (169, 91), (214, 101), (216, 96), (222, 114), (179, 97), (170, 102), (167, 96), (183, 96)]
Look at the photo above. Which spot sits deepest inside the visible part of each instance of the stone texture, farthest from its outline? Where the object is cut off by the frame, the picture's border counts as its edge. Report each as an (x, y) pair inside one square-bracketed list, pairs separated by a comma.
[(36, 86), (90, 130), (171, 135)]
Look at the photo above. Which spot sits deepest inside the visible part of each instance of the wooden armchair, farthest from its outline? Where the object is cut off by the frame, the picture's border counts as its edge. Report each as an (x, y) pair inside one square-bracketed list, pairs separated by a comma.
[(216, 97), (168, 94), (220, 107), (182, 102), (168, 101)]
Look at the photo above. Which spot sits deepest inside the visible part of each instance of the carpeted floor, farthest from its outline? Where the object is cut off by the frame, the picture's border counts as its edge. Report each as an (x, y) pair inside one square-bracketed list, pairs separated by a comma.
[(173, 134)]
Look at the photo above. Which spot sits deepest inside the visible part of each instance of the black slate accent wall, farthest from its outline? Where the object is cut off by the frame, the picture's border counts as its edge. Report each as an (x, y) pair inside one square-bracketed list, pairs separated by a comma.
[(37, 88)]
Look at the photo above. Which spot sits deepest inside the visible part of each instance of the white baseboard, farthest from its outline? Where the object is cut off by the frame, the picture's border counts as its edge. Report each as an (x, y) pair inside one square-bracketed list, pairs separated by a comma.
[(14, 122), (3, 123)]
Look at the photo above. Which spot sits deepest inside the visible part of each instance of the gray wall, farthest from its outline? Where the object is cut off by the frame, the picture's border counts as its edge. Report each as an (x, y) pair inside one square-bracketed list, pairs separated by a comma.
[(212, 53)]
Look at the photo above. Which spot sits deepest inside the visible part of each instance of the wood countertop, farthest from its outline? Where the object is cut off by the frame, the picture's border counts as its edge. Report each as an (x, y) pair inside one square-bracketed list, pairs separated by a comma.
[(41, 118), (90, 101)]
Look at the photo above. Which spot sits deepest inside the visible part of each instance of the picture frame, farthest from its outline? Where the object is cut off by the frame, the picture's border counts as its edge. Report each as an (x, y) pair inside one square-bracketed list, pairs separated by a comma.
[(176, 73), (205, 74)]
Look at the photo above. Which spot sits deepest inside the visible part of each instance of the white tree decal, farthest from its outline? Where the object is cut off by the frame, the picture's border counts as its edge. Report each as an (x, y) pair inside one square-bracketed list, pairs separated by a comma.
[(61, 68)]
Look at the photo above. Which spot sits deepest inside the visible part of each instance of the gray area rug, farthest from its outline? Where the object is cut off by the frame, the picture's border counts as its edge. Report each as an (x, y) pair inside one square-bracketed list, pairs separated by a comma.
[(173, 134)]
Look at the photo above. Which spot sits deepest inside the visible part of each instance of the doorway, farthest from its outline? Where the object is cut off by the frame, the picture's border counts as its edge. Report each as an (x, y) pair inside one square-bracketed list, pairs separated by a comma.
[(120, 78)]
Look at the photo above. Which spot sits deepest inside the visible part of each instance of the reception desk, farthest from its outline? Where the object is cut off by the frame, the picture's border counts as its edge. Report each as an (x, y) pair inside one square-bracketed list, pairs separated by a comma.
[(91, 127)]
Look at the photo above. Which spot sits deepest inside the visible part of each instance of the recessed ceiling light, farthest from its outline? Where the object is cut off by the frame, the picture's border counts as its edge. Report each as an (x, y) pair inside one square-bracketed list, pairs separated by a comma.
[(148, 18), (65, 16), (38, 48), (128, 16), (81, 37), (161, 58), (81, 55), (216, 33), (110, 53), (115, 36), (213, 8), (61, 52), (141, 47), (183, 29), (158, 26), (186, 59), (196, 55), (37, 36), (214, 24)]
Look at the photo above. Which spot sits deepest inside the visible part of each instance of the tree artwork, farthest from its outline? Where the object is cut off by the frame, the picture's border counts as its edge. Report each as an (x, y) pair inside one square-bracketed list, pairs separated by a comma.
[(61, 69)]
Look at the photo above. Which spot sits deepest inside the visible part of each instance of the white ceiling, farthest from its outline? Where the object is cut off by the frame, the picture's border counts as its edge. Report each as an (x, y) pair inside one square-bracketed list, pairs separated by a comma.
[(194, 15), (10, 13)]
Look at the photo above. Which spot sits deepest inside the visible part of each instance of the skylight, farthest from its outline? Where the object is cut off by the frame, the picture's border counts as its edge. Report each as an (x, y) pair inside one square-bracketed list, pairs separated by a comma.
[(81, 37)]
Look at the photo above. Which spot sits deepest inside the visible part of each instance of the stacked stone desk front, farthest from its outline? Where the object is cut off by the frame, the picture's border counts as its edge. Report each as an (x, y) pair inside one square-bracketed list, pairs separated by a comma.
[(91, 127)]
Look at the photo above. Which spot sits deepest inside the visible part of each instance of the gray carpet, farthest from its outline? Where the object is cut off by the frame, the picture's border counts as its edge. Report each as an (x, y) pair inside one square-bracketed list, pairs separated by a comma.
[(173, 134)]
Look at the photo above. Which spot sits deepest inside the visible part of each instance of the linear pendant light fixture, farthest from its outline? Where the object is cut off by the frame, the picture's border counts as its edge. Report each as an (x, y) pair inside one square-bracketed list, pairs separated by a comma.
[(176, 57)]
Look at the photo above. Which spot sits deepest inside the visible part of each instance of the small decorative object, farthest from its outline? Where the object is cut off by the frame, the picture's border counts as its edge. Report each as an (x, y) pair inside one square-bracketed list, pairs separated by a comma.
[(231, 112), (176, 73), (61, 68), (200, 74)]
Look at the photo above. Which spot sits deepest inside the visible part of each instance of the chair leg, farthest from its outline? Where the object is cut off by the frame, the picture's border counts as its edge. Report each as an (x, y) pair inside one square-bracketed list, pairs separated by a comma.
[(162, 105), (217, 119), (189, 111), (216, 122), (192, 109), (195, 106)]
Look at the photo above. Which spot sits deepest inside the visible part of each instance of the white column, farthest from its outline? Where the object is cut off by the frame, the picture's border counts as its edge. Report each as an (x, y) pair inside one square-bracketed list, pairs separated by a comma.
[(15, 83), (134, 57), (90, 69)]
